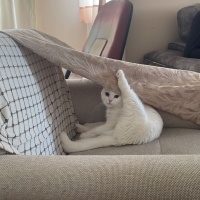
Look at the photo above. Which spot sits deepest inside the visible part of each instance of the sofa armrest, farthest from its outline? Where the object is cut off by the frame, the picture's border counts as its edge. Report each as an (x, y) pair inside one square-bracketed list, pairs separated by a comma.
[(86, 100), (100, 177)]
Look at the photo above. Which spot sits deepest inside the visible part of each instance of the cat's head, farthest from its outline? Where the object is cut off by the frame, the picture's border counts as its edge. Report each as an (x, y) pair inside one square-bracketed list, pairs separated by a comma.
[(111, 99)]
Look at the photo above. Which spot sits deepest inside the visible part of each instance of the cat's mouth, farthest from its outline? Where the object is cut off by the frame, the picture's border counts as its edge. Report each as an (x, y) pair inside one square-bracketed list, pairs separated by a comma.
[(109, 104)]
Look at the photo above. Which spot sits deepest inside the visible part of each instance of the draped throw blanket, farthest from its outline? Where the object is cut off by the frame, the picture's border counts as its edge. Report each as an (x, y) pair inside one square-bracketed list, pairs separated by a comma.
[(170, 90)]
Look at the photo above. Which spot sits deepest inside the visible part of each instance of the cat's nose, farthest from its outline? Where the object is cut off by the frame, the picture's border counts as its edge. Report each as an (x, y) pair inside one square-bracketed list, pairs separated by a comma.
[(110, 100)]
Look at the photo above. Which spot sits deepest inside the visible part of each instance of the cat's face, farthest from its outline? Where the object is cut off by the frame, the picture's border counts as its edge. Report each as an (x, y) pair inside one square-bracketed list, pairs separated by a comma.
[(111, 99)]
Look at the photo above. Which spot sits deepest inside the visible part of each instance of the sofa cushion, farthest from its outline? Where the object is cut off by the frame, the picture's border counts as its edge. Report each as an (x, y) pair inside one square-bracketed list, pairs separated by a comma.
[(172, 59), (172, 121), (171, 141), (35, 103), (180, 141)]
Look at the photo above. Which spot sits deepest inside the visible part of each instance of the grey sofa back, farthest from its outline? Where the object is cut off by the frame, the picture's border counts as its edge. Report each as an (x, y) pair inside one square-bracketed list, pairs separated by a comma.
[(35, 103), (184, 18)]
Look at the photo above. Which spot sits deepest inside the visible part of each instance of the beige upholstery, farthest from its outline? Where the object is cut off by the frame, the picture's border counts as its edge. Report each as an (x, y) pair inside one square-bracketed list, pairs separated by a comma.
[(100, 177), (178, 137), (172, 141), (141, 173)]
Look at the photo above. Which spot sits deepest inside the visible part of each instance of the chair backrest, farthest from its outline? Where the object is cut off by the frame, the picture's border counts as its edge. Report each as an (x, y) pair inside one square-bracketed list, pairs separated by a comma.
[(109, 32), (184, 18), (35, 103)]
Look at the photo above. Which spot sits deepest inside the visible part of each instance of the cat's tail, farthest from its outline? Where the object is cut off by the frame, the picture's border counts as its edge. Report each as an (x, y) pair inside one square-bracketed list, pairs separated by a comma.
[(85, 144)]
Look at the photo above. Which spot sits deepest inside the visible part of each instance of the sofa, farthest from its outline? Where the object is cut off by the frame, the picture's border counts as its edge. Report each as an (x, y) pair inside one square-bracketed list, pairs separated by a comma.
[(172, 57), (37, 104)]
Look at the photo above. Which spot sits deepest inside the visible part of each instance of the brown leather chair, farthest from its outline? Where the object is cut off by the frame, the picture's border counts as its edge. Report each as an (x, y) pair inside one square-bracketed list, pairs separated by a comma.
[(109, 31)]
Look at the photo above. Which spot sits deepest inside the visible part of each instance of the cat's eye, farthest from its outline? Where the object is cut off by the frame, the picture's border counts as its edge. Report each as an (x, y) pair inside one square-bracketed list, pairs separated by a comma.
[(116, 96), (107, 94)]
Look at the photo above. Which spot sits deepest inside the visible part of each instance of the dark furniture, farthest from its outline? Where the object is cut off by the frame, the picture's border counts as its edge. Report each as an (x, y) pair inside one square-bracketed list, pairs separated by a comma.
[(172, 57)]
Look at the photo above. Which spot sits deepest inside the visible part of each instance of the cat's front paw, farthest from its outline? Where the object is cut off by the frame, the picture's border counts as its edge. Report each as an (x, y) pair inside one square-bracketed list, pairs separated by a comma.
[(81, 128), (64, 138), (119, 74), (122, 82), (85, 135)]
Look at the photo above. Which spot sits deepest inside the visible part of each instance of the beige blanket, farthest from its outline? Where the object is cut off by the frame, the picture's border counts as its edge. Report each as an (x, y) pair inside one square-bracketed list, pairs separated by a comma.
[(174, 91)]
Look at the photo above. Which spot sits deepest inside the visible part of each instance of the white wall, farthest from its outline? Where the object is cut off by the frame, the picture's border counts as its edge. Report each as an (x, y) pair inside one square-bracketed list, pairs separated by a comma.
[(60, 18), (153, 25)]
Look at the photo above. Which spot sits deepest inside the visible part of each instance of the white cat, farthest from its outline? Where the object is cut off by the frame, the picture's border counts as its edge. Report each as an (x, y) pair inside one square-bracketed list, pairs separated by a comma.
[(129, 121)]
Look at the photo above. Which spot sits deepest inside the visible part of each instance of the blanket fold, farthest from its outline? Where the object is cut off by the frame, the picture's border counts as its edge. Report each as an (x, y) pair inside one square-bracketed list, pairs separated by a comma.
[(170, 90)]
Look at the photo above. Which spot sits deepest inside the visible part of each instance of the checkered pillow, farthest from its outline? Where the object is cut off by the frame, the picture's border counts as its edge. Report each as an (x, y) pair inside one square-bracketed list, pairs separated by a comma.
[(35, 103)]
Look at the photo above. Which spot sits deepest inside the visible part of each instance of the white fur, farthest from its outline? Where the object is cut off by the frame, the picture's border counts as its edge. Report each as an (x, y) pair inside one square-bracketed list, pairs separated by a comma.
[(129, 121)]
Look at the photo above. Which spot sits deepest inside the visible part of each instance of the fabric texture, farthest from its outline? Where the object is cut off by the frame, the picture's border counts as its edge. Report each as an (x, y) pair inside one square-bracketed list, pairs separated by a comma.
[(173, 91), (100, 177), (35, 104)]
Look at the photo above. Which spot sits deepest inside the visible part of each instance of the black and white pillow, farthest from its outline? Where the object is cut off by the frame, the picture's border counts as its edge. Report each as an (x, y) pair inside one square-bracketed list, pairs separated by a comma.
[(35, 103)]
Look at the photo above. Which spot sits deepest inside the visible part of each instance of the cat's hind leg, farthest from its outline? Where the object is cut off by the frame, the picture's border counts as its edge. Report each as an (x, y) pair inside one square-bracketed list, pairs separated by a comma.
[(81, 128), (97, 131), (86, 144), (88, 126)]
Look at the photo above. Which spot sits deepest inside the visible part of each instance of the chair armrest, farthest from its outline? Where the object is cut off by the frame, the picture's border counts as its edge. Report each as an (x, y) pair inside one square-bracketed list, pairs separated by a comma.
[(177, 46), (86, 98), (100, 177)]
